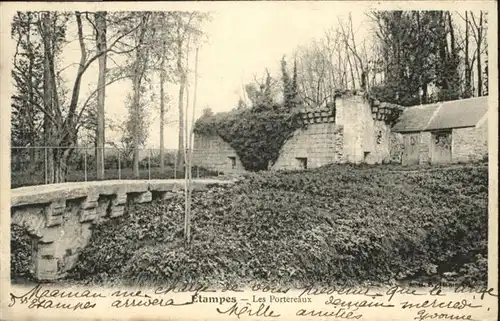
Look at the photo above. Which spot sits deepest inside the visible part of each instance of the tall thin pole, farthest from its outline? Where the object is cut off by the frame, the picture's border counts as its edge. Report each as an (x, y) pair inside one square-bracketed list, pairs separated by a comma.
[(186, 175), (46, 166), (149, 164), (190, 147), (119, 166), (85, 162)]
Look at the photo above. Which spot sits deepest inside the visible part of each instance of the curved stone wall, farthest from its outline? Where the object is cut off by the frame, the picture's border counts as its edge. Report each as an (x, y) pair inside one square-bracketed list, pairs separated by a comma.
[(58, 217)]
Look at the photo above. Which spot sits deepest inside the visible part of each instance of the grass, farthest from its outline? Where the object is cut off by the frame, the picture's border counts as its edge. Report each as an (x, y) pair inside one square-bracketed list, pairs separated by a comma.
[(338, 223)]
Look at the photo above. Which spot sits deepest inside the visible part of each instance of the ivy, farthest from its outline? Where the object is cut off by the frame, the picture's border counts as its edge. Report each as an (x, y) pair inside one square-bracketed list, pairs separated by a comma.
[(256, 134)]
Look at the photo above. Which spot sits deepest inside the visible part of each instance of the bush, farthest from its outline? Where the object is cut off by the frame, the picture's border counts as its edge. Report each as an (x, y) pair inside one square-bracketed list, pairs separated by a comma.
[(332, 224), (256, 134), (20, 249)]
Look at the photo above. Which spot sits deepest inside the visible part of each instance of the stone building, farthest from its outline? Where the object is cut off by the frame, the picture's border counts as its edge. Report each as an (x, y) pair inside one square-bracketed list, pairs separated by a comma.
[(363, 130), (447, 132), (356, 131), (213, 153)]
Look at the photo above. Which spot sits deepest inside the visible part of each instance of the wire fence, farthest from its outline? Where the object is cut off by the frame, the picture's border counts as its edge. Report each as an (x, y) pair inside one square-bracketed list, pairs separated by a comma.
[(32, 165)]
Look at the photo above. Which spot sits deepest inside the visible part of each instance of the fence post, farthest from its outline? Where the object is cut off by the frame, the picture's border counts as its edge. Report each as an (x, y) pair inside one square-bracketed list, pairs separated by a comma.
[(45, 165), (119, 166), (197, 172), (149, 165), (85, 162)]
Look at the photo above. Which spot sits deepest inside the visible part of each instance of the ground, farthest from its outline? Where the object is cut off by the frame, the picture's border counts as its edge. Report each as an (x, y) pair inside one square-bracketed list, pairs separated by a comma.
[(336, 224)]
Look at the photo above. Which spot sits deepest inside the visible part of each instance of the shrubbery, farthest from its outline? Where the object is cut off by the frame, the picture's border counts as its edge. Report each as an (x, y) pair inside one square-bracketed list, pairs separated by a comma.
[(257, 134), (20, 249), (329, 225)]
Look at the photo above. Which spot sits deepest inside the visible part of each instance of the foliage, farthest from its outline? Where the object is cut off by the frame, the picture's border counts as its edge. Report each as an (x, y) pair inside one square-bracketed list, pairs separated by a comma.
[(20, 248), (257, 134), (329, 225), (418, 56), (290, 89)]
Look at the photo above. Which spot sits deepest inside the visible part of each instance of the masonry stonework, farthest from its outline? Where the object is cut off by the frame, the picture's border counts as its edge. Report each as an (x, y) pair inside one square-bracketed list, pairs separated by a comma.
[(366, 130), (319, 143), (396, 147), (470, 144), (425, 148), (59, 217), (212, 152)]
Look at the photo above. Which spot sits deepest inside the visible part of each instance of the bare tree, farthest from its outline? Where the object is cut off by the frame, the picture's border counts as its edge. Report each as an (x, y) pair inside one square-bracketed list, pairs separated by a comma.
[(62, 118), (100, 22), (478, 32), (139, 70), (187, 25)]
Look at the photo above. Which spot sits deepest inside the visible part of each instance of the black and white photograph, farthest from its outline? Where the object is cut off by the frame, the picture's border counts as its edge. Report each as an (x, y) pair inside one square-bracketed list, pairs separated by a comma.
[(336, 158)]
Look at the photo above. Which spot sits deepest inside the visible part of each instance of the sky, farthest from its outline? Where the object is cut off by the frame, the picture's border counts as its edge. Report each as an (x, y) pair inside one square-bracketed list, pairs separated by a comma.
[(238, 48), (242, 41)]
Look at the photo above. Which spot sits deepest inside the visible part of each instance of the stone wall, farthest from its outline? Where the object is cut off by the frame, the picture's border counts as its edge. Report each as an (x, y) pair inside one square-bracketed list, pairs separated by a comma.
[(414, 147), (377, 142), (320, 143), (470, 144), (425, 148), (59, 217), (350, 113), (366, 138), (214, 153), (396, 146)]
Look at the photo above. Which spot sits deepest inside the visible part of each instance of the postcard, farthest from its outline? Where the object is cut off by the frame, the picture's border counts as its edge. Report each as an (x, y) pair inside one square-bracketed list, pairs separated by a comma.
[(287, 160)]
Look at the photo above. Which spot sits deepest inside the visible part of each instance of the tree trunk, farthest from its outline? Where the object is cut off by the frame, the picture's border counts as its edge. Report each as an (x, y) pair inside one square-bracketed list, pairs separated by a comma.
[(424, 93), (162, 109), (30, 111), (136, 100), (180, 151), (135, 126), (47, 99), (479, 43), (100, 20), (350, 68), (162, 124), (467, 89)]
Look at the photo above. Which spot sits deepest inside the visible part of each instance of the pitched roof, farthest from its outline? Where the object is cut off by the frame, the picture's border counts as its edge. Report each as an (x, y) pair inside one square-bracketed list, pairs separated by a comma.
[(415, 118), (459, 113), (444, 115)]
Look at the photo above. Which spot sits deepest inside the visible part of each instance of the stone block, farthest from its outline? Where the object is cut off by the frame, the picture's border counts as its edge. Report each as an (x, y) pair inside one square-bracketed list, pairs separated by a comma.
[(54, 211), (88, 215), (56, 207), (145, 197), (46, 250), (91, 201), (46, 269), (119, 199), (54, 220), (117, 210), (166, 195), (69, 261), (51, 234)]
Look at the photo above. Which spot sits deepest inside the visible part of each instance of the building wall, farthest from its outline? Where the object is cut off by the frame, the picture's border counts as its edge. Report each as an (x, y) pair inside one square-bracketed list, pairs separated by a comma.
[(470, 144), (425, 148), (411, 148), (365, 138), (320, 143), (378, 143), (396, 146), (214, 153)]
